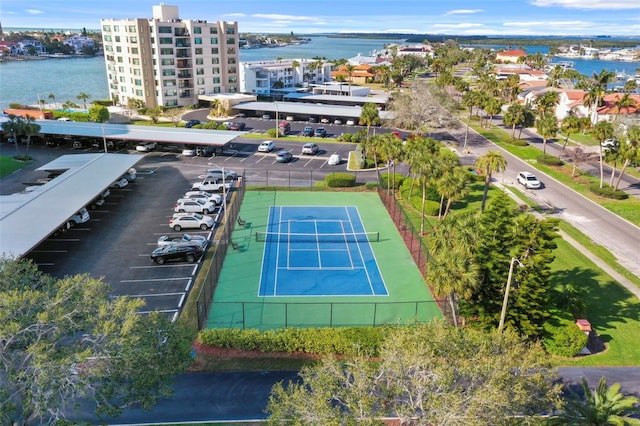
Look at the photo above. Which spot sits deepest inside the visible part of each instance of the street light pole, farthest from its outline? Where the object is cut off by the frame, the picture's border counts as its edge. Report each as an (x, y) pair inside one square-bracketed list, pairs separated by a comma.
[(277, 131), (224, 198), (104, 139), (506, 292)]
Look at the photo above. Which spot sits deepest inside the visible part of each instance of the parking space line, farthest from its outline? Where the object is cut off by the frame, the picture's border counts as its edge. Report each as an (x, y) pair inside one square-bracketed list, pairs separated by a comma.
[(66, 239), (155, 280), (45, 264), (157, 294)]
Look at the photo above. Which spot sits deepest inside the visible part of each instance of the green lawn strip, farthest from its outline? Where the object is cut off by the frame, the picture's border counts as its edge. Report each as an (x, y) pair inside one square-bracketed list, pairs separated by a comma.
[(599, 251), (613, 312), (583, 138), (8, 165)]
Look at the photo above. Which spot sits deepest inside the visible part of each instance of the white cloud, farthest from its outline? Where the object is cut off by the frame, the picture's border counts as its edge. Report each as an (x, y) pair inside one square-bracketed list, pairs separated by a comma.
[(589, 4), (458, 26), (234, 15), (463, 11), (34, 12), (285, 18), (549, 24)]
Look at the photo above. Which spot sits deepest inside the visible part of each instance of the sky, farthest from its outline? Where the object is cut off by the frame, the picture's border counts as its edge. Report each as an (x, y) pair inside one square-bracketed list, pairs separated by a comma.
[(455, 17)]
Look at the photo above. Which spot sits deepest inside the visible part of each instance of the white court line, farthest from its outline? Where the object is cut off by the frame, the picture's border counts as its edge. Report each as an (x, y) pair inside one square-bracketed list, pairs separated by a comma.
[(347, 244), (362, 257), (275, 281), (315, 225)]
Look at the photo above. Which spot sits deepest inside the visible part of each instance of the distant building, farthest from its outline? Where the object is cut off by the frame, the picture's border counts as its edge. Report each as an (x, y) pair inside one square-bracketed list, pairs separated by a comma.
[(361, 74), (510, 56), (79, 42), (282, 76), (168, 61)]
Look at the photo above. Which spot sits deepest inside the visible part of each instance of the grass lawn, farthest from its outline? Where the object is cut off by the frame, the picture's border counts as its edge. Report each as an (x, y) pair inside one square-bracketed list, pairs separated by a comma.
[(8, 165)]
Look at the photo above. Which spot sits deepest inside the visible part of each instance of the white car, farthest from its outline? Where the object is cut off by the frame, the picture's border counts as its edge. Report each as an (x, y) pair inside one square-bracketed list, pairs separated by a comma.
[(184, 240), (146, 146), (194, 205), (228, 174), (181, 221), (266, 146), (205, 196), (189, 151), (120, 183), (528, 180), (334, 160), (212, 184)]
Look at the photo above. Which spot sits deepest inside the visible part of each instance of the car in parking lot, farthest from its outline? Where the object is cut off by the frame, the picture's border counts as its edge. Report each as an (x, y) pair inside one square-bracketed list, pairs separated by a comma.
[(266, 146), (183, 240), (205, 151), (218, 172), (351, 123), (176, 252), (284, 157), (337, 121), (146, 146), (266, 116), (320, 132), (120, 183), (529, 180), (189, 151), (324, 120), (191, 123), (194, 205), (334, 160), (237, 126), (181, 221), (206, 196), (307, 131), (310, 148), (99, 200), (212, 184)]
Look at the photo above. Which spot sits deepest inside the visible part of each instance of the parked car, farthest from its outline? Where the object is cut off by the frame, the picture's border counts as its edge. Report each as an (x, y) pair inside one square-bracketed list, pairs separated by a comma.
[(334, 160), (266, 146), (609, 144), (130, 175), (203, 195), (115, 145), (351, 123), (307, 131), (266, 116), (212, 184), (146, 146), (528, 180), (181, 221), (120, 183), (205, 151), (237, 125), (81, 144), (176, 252), (189, 151), (320, 132), (99, 200), (191, 123), (284, 128), (310, 148), (64, 119), (183, 240), (194, 205), (313, 120), (324, 120), (217, 172), (337, 121), (284, 157), (81, 216)]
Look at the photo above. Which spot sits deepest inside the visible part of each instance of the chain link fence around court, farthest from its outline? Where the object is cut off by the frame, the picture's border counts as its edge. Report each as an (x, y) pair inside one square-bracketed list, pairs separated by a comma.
[(246, 314), (297, 180)]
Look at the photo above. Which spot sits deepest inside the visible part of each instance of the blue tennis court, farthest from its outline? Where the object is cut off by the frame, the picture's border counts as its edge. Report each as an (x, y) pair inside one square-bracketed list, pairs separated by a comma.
[(318, 251)]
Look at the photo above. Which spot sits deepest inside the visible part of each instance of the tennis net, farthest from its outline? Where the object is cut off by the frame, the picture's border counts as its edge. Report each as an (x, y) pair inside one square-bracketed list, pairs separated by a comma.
[(281, 237)]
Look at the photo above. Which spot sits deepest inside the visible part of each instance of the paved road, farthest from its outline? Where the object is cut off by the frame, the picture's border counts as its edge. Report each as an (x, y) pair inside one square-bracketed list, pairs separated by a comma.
[(244, 395)]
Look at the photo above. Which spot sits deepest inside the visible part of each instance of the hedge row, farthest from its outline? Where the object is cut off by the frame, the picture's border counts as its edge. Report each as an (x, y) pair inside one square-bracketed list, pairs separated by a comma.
[(340, 180), (608, 192), (387, 180), (549, 160), (321, 341)]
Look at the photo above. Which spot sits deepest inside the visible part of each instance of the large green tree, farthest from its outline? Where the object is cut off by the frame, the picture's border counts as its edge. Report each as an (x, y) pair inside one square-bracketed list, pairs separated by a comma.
[(547, 128), (602, 131), (490, 163), (428, 374), (99, 114), (65, 339), (29, 128)]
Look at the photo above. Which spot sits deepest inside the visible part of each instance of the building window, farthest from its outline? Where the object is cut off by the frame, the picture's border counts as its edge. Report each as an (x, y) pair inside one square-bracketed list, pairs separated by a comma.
[(197, 40), (171, 103), (197, 30), (200, 81), (166, 73), (231, 61), (132, 28), (164, 30), (215, 51), (133, 39), (213, 30), (107, 38), (116, 28), (214, 40), (137, 82), (165, 40), (119, 49), (215, 70), (198, 50), (136, 71), (136, 61), (200, 71), (231, 30), (121, 69), (231, 70), (166, 51), (216, 80), (121, 79), (232, 79), (169, 83), (215, 61), (134, 50), (216, 90), (231, 51), (231, 41), (120, 59), (117, 39), (108, 48), (167, 61), (202, 92), (106, 28), (199, 61)]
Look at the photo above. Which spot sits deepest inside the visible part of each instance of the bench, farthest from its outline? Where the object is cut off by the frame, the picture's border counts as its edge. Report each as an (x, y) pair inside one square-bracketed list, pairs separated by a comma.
[(241, 222)]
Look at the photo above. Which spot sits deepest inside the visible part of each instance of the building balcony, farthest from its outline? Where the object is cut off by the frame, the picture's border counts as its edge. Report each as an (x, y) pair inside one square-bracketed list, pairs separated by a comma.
[(185, 94), (185, 74), (183, 63)]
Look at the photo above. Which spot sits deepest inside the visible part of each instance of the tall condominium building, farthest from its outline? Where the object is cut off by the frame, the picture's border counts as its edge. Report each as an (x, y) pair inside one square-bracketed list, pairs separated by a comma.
[(167, 61)]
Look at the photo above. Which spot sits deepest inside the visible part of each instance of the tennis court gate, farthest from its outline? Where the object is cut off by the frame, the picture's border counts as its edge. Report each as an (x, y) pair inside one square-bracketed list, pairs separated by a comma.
[(222, 240)]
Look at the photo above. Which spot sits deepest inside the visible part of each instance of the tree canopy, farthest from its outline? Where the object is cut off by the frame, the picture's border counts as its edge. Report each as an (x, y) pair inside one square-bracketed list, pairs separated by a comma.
[(66, 339)]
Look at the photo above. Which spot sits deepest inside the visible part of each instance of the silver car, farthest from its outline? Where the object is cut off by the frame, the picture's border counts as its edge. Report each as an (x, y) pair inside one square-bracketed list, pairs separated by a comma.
[(185, 239)]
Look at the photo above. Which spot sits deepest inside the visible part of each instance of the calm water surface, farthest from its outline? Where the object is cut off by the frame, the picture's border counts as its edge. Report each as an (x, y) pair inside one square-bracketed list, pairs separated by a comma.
[(28, 81)]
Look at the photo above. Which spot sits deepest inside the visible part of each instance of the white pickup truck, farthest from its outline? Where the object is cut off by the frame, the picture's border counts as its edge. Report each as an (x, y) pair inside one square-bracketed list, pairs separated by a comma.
[(81, 216), (212, 185)]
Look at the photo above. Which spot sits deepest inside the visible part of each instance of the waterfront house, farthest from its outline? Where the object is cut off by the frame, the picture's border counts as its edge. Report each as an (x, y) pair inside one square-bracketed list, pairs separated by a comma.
[(281, 76), (510, 56)]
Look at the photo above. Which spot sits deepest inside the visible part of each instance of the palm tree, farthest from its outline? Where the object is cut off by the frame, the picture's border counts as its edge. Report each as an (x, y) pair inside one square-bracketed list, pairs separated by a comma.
[(369, 115), (67, 105), (570, 124), (489, 163), (452, 186), (53, 99), (629, 151), (547, 102), (83, 97), (514, 116), (350, 69), (492, 106), (470, 99), (624, 102), (13, 126), (547, 127), (602, 406), (602, 131), (29, 128)]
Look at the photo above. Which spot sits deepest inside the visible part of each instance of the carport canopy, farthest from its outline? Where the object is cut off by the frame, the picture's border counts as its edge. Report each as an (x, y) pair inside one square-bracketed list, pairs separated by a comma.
[(28, 218), (131, 132)]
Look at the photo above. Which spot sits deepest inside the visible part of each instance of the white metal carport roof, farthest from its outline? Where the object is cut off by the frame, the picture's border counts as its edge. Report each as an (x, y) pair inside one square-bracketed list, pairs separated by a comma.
[(174, 135), (26, 219)]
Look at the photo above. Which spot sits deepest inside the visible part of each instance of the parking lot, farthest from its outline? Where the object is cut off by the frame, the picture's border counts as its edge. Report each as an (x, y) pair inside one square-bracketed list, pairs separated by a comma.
[(116, 242)]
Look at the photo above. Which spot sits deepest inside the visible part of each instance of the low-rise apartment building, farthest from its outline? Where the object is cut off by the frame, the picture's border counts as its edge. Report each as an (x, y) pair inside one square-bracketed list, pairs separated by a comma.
[(282, 76)]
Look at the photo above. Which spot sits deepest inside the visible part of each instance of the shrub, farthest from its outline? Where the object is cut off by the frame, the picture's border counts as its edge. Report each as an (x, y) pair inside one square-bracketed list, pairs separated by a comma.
[(565, 339), (608, 191), (388, 180), (549, 160), (345, 137), (371, 185), (322, 341), (432, 207), (519, 142), (271, 133), (340, 180)]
